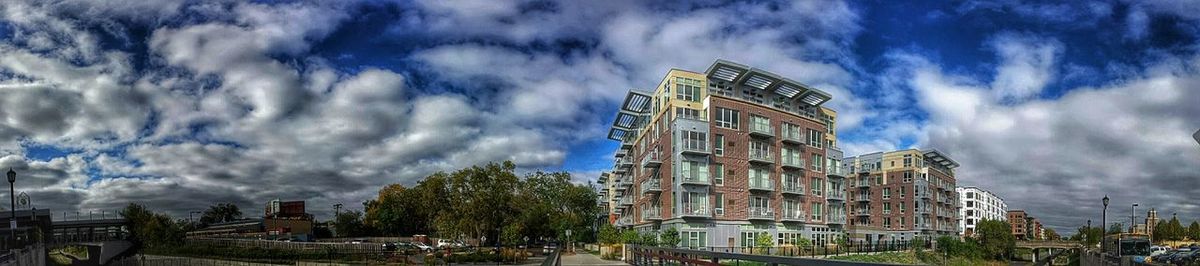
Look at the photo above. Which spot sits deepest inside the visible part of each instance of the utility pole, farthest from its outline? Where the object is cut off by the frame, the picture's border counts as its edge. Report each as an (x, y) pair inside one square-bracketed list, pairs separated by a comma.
[(336, 210)]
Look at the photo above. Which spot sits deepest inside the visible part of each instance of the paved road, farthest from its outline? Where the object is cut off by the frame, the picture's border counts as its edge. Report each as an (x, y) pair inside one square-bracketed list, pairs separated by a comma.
[(588, 259)]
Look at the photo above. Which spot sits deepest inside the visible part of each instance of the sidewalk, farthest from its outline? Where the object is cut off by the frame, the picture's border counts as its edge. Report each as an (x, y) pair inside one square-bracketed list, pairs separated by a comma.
[(588, 259)]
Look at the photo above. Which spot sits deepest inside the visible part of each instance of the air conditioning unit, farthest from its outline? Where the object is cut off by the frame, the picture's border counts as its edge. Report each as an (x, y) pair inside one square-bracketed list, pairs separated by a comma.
[(719, 212)]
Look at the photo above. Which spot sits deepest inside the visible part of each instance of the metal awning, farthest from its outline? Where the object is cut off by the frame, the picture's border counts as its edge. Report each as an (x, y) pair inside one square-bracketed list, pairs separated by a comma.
[(940, 158), (766, 81), (636, 104)]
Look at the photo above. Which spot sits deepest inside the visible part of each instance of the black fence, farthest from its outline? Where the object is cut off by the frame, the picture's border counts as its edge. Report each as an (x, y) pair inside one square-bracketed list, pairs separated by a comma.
[(852, 247), (240, 252)]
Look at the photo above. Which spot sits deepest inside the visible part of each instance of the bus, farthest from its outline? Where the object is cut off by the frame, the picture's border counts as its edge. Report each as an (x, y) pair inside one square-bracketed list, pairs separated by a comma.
[(1134, 246)]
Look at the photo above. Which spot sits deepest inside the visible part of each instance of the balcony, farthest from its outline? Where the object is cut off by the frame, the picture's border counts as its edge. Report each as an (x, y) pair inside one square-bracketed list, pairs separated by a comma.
[(652, 185), (792, 137), (622, 153), (651, 161), (693, 147), (654, 213), (863, 183), (694, 180), (793, 187), (793, 215), (862, 197), (617, 169), (625, 221), (924, 226), (626, 201), (762, 130), (700, 211), (761, 213), (792, 162), (835, 219), (922, 210), (761, 156), (836, 171), (835, 194), (862, 212), (625, 162), (761, 184)]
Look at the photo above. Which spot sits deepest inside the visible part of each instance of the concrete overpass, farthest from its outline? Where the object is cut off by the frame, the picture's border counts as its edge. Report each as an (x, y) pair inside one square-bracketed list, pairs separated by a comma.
[(1044, 252), (96, 230)]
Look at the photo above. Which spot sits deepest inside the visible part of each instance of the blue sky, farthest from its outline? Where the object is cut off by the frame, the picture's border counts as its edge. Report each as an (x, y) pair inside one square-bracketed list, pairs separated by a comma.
[(179, 104)]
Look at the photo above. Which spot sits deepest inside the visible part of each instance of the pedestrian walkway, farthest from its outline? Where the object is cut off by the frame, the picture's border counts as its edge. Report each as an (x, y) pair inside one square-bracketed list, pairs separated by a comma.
[(588, 259)]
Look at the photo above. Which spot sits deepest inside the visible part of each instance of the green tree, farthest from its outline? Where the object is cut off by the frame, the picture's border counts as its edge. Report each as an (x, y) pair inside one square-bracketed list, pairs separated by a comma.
[(649, 239), (609, 235), (1175, 230), (481, 201), (630, 237), (1116, 228), (511, 235), (149, 229), (669, 237), (1160, 232), (995, 239), (802, 242), (391, 212), (223, 212), (1194, 231), (1052, 235), (1089, 237), (350, 224), (763, 240)]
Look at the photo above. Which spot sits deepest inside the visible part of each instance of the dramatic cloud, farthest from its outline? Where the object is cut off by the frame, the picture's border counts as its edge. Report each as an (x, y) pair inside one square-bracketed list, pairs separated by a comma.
[(182, 104)]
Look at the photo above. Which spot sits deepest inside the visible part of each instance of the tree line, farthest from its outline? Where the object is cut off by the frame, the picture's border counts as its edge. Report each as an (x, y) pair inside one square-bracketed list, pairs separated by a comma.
[(489, 202), (1164, 230)]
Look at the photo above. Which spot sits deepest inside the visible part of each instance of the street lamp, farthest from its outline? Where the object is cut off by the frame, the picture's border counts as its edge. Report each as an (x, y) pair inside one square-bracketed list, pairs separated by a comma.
[(1103, 222), (1132, 224), (12, 224)]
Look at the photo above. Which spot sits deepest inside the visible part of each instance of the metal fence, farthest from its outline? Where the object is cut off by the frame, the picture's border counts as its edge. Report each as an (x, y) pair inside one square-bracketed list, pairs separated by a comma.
[(640, 255), (268, 244), (852, 247)]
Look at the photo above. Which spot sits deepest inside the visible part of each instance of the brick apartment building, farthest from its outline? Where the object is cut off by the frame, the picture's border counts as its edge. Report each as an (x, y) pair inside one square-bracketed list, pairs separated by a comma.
[(735, 152), (902, 194), (1025, 227)]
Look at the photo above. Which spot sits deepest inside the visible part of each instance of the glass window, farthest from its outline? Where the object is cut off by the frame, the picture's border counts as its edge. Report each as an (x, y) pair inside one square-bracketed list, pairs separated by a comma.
[(815, 138), (817, 161), (687, 89), (727, 118), (720, 209), (693, 140), (719, 145), (718, 174)]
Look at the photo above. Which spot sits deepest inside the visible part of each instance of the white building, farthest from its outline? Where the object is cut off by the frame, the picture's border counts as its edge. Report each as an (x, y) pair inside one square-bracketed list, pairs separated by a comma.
[(978, 204)]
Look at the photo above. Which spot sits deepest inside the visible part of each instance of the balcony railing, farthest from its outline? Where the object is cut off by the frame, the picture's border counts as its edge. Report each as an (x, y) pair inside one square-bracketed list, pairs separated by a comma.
[(835, 219), (793, 137), (862, 197), (761, 213), (694, 179), (862, 212), (652, 214), (863, 182), (792, 162), (627, 200), (922, 210), (625, 162), (793, 187), (761, 183), (837, 170), (795, 215), (835, 194), (652, 185), (625, 221), (651, 160), (761, 156), (762, 130), (922, 226), (695, 210), (694, 147)]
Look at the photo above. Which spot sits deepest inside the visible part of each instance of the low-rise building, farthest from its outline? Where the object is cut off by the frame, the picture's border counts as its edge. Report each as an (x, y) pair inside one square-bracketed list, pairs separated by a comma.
[(1016, 220)]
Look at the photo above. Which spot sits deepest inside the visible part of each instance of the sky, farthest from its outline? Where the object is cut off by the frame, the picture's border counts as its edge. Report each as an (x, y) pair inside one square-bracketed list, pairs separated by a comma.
[(179, 105)]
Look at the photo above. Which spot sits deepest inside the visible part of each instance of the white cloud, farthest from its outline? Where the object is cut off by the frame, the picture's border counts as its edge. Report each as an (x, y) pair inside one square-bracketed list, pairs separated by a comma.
[(1027, 65)]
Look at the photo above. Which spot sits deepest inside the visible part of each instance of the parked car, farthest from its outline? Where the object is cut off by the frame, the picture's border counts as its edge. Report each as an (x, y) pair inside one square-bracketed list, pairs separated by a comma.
[(1155, 250), (549, 248), (421, 246), (447, 243)]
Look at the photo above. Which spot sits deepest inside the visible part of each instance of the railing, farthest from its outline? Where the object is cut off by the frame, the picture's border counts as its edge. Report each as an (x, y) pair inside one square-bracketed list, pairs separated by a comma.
[(689, 210), (863, 182), (836, 219), (862, 212), (793, 214), (762, 156), (651, 185), (761, 183), (761, 213), (792, 136), (835, 194), (863, 197), (761, 129), (694, 179), (793, 187), (785, 255), (836, 170), (653, 213), (627, 200), (627, 220), (694, 146), (651, 160), (792, 162)]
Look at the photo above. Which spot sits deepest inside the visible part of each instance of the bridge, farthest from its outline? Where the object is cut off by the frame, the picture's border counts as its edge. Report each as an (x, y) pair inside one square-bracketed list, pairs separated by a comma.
[(97, 230), (1046, 251)]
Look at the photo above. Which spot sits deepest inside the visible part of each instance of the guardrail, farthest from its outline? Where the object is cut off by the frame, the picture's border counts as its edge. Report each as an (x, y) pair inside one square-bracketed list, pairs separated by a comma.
[(643, 255)]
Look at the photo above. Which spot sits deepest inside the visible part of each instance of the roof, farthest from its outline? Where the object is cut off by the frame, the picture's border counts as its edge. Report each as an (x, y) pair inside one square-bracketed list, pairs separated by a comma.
[(766, 81), (940, 158)]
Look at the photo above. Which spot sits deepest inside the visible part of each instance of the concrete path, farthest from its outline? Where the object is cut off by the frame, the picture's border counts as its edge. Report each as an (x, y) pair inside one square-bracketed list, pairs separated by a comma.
[(588, 259)]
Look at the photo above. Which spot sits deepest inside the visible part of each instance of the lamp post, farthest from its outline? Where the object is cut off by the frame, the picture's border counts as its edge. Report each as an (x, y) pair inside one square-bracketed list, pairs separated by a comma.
[(1132, 224), (1103, 222), (12, 224)]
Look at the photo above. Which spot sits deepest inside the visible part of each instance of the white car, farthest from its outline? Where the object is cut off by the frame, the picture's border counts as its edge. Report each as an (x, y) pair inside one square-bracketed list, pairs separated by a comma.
[(1155, 250), (444, 243), (422, 246)]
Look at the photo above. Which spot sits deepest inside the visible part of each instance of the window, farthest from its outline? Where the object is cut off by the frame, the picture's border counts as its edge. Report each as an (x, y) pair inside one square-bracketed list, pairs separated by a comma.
[(760, 124), (818, 162), (687, 89), (902, 189), (720, 209), (759, 177), (791, 131), (887, 193), (901, 207), (688, 113), (718, 174), (693, 140), (816, 186), (760, 150), (887, 222), (907, 160), (878, 180), (970, 195), (970, 203), (694, 171), (814, 138), (816, 211), (901, 219), (908, 176), (727, 118), (695, 239), (719, 145)]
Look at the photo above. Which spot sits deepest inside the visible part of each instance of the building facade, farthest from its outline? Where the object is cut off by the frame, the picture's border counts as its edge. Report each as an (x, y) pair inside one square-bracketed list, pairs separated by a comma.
[(733, 153), (1024, 226), (978, 204), (901, 194), (728, 155)]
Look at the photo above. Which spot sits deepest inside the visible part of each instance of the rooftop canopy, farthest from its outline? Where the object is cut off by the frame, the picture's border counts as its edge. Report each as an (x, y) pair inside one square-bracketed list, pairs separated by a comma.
[(940, 158), (766, 81), (636, 104)]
